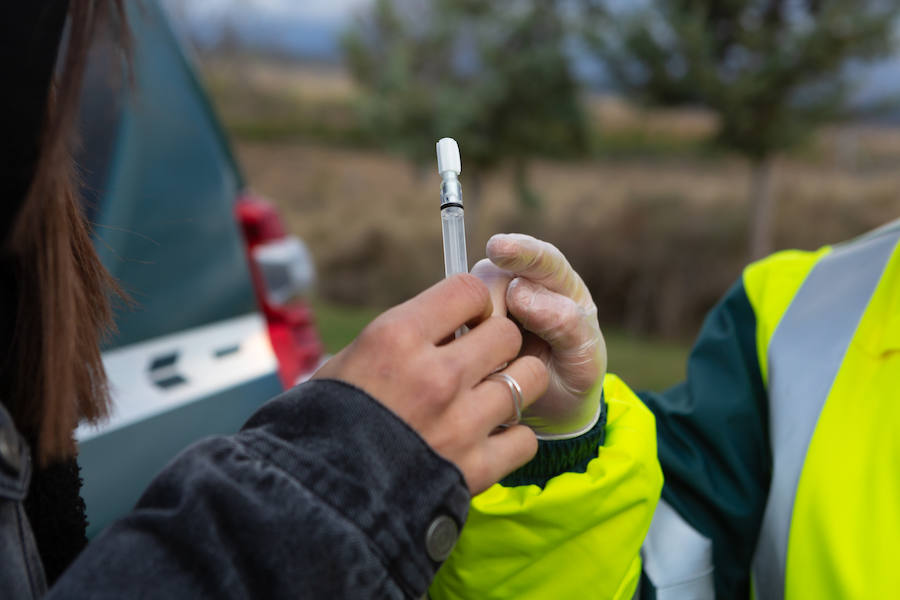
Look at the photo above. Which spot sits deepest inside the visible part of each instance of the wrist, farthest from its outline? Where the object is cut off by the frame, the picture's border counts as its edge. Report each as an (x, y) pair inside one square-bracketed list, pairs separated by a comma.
[(564, 414)]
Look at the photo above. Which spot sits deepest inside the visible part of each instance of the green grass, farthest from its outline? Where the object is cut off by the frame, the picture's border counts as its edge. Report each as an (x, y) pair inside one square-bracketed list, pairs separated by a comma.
[(644, 363), (637, 144), (338, 325)]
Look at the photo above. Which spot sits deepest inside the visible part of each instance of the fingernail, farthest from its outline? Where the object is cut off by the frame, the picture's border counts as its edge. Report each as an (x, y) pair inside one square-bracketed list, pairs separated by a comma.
[(505, 250), (497, 243), (521, 290)]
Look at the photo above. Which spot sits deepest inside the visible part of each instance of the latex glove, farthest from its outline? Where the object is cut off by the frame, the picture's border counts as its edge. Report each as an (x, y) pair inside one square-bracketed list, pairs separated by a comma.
[(534, 282)]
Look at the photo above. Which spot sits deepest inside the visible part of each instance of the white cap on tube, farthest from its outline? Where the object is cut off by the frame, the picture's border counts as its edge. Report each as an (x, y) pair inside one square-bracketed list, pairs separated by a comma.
[(448, 156)]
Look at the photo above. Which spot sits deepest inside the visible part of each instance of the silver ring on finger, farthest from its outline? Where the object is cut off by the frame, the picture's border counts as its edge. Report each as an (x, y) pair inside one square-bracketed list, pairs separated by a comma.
[(515, 390)]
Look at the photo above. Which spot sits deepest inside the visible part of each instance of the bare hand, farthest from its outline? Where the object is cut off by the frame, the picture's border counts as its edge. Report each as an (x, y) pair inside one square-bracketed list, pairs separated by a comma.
[(438, 387)]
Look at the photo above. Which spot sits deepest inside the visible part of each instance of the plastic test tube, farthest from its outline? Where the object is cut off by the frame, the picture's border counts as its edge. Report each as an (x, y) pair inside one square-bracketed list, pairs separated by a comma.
[(452, 216), (452, 222)]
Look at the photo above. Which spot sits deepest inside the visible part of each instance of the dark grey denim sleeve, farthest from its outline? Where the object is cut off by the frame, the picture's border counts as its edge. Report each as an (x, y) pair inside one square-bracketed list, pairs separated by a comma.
[(21, 572), (324, 494)]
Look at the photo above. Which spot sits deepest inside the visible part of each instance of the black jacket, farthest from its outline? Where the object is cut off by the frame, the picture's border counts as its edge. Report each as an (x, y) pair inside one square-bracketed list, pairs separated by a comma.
[(323, 494)]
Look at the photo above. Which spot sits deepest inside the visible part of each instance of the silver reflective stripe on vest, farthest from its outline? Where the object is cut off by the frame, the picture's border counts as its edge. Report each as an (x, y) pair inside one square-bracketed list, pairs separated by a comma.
[(804, 356), (677, 557)]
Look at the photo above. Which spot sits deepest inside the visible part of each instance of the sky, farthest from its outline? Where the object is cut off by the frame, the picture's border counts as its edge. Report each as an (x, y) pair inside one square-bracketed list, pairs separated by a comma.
[(316, 10), (308, 28)]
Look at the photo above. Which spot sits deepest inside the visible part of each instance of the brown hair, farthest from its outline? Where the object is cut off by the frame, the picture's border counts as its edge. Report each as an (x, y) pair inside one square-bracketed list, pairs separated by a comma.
[(54, 373)]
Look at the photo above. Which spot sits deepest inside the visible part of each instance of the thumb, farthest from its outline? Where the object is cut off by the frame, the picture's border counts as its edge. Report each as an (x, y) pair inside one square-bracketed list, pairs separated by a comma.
[(554, 317), (496, 280)]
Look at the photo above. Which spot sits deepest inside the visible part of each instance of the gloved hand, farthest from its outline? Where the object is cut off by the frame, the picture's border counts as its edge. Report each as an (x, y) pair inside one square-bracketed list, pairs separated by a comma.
[(534, 282)]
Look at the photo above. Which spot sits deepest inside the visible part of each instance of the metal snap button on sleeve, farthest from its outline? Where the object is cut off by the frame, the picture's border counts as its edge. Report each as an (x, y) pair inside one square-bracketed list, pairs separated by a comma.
[(441, 537)]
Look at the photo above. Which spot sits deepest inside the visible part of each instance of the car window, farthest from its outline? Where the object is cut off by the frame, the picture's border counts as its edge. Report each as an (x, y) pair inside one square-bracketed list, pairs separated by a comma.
[(161, 185)]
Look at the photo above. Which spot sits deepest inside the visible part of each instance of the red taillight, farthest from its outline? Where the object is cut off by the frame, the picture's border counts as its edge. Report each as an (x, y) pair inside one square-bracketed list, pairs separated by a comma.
[(282, 272)]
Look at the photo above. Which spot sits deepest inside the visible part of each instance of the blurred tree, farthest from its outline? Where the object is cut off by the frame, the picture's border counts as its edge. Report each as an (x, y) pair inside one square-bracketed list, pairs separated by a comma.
[(771, 70), (493, 75)]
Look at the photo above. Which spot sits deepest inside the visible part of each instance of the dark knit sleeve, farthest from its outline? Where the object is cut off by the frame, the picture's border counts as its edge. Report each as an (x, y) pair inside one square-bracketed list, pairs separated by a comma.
[(555, 457)]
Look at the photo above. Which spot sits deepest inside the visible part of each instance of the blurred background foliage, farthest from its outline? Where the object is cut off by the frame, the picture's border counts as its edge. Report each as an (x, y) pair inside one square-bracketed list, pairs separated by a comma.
[(771, 71), (495, 74), (633, 135)]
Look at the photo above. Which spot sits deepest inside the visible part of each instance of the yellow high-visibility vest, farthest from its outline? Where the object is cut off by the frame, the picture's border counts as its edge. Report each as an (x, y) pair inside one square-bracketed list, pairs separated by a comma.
[(525, 541)]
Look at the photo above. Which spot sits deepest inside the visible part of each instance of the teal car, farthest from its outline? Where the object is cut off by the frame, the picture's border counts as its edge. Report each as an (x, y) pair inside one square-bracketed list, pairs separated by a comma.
[(219, 324)]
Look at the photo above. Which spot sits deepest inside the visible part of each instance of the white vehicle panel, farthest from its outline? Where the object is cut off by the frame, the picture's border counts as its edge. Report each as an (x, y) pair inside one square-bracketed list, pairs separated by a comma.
[(158, 375)]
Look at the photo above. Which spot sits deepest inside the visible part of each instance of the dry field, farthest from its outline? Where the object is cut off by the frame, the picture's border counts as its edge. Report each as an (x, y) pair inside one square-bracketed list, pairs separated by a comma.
[(657, 241), (658, 236)]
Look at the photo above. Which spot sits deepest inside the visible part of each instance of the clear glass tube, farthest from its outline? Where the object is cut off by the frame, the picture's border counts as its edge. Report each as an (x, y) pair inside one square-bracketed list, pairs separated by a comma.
[(454, 230), (453, 225)]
